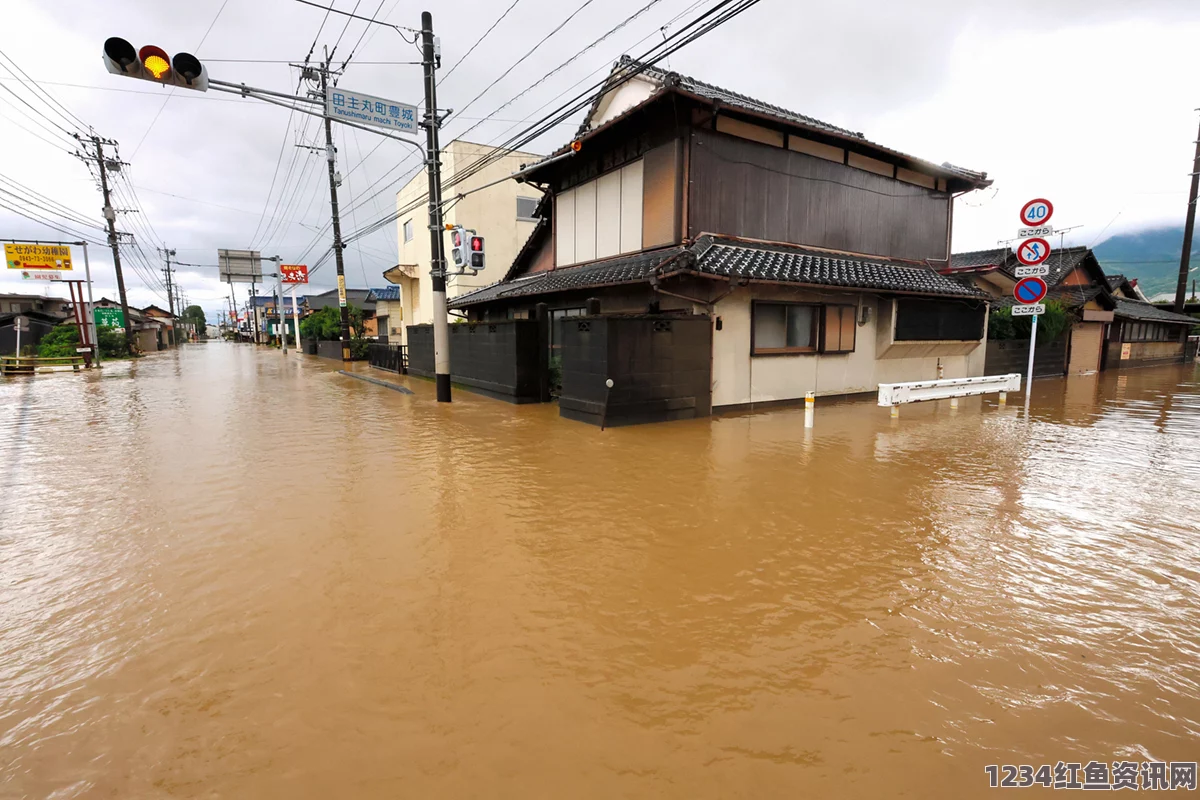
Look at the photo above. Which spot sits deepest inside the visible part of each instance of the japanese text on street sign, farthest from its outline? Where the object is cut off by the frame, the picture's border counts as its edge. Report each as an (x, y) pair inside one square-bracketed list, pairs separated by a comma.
[(1037, 212), (1033, 251), (109, 317), (30, 275), (294, 273), (37, 256), (1040, 270), (371, 110), (1029, 311), (1040, 231), (1029, 290), (342, 291)]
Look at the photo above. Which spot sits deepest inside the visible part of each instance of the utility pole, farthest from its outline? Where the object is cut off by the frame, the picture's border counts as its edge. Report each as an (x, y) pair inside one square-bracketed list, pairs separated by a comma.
[(170, 292), (1186, 257), (110, 215), (330, 156), (441, 324)]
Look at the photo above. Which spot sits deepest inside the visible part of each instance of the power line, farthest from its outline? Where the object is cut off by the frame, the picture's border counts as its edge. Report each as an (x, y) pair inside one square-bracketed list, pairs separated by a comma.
[(478, 41)]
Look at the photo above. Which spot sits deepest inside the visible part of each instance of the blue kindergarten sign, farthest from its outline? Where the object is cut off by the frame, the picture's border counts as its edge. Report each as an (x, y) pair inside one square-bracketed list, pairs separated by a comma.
[(367, 109)]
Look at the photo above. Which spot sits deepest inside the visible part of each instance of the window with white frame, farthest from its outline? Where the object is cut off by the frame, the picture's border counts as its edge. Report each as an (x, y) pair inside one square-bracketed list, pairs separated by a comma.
[(408, 230), (600, 218)]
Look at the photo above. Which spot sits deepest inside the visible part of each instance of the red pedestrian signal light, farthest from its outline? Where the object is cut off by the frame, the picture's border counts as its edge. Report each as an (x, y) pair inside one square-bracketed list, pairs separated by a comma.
[(151, 63), (476, 253)]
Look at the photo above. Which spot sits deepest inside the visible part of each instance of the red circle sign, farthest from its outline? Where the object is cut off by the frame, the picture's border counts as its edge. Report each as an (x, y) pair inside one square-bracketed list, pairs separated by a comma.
[(1029, 290), (1033, 251), (1037, 212)]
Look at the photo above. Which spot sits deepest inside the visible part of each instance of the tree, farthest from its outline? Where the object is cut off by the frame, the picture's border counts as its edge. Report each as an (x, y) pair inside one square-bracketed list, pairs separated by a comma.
[(326, 324), (63, 339), (195, 315)]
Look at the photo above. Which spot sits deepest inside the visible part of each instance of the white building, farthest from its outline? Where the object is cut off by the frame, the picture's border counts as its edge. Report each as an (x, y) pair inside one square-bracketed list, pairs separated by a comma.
[(503, 214)]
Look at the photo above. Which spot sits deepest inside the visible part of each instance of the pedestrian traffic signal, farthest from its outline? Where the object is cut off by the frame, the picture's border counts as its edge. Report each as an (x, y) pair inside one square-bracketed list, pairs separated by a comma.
[(151, 63), (476, 262), (460, 247)]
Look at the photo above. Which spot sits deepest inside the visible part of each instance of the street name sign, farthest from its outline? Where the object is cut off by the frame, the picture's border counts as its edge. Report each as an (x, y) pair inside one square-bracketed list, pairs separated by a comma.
[(294, 273), (1033, 251), (1036, 212), (1030, 290), (1040, 270), (368, 109), (18, 255), (1039, 231), (21, 324), (1029, 311)]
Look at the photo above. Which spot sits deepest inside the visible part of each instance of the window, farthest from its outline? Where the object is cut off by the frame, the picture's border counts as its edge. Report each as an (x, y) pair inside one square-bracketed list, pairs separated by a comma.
[(783, 328), (527, 209), (838, 331), (919, 320), (408, 230), (600, 218)]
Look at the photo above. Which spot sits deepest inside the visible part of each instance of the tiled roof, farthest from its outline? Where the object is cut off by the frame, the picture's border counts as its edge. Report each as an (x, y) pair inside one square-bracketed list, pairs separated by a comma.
[(980, 258), (714, 255), (784, 263), (391, 292), (1114, 281), (1135, 309), (626, 269), (723, 96), (1062, 262), (673, 81)]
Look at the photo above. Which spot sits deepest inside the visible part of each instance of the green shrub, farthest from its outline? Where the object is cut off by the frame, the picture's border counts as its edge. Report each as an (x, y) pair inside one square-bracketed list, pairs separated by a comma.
[(1003, 325), (60, 342), (359, 348)]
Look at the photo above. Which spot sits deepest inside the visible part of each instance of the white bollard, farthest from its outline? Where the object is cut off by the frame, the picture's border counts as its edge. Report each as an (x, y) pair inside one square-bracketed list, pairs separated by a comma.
[(954, 403), (895, 412), (809, 403), (1003, 398)]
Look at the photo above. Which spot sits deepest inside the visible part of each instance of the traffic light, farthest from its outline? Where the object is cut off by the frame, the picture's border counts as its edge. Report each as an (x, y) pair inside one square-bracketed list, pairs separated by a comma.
[(476, 262), (460, 247), (151, 63)]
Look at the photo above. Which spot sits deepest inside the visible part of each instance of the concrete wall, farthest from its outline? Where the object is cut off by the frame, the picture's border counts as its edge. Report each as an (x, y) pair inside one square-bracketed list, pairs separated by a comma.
[(739, 378), (492, 213)]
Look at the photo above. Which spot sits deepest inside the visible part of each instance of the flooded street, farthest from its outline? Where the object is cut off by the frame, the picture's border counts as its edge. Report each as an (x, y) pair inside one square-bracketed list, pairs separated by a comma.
[(230, 574)]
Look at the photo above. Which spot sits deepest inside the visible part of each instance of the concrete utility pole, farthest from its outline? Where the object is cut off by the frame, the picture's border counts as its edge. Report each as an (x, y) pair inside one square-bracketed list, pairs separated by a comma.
[(441, 325), (330, 156), (1186, 257), (170, 292), (110, 215)]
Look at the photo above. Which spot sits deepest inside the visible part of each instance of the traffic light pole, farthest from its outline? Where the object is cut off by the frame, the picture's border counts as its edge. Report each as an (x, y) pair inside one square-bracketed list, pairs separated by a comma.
[(441, 322), (330, 156), (110, 215)]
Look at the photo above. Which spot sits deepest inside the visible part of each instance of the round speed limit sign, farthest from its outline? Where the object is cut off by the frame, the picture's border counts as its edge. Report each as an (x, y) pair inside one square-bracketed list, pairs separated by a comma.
[(1036, 212)]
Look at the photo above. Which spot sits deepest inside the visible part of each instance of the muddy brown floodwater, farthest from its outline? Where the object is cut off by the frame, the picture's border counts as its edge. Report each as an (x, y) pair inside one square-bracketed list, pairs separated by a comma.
[(224, 573)]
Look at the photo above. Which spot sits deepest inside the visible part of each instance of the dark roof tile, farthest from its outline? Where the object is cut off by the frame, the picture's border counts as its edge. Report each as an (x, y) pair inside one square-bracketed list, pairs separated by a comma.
[(1144, 312)]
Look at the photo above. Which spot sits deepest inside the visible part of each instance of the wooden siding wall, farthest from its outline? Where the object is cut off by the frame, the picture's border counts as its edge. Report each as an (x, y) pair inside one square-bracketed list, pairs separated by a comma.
[(660, 198), (744, 188)]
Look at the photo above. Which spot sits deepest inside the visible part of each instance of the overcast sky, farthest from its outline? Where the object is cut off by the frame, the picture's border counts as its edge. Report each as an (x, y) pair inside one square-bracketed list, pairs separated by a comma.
[(1087, 102)]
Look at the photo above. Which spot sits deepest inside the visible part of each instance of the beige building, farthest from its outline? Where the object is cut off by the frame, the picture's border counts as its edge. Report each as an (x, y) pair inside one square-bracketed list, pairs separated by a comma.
[(503, 214)]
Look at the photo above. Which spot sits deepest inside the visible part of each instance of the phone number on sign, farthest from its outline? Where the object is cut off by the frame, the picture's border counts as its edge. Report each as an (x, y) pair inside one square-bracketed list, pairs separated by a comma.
[(1145, 776)]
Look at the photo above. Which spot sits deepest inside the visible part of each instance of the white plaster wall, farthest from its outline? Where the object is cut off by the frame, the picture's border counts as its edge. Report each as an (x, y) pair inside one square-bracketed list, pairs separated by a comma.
[(621, 99), (739, 378)]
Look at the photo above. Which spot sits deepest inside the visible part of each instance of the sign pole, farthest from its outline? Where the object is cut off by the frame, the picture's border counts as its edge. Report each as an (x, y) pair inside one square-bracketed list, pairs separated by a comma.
[(279, 304), (1029, 371), (17, 326), (296, 319), (91, 314)]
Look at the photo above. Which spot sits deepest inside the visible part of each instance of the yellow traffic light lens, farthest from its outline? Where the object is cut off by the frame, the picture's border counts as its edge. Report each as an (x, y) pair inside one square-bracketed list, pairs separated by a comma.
[(157, 65), (155, 60)]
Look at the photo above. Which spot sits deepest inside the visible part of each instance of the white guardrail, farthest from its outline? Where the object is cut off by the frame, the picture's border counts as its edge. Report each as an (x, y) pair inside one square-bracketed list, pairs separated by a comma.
[(895, 394)]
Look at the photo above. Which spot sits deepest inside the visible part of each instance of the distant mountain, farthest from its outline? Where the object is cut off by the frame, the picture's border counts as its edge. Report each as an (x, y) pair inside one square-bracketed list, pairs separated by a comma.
[(1151, 256)]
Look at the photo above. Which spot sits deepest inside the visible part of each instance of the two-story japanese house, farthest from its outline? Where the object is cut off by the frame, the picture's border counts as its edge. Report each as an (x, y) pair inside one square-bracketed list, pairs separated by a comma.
[(813, 251)]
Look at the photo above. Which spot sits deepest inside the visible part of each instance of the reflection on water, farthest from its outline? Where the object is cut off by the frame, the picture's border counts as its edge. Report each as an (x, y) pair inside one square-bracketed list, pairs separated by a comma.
[(227, 573)]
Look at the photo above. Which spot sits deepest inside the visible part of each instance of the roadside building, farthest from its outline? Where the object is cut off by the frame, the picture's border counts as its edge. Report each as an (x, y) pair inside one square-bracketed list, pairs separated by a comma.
[(389, 314), (1104, 313), (503, 214), (42, 314), (268, 315), (805, 247), (165, 331)]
